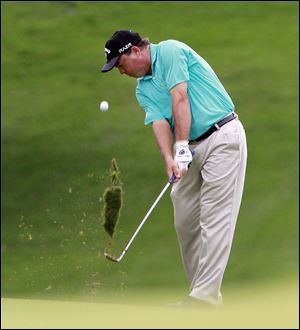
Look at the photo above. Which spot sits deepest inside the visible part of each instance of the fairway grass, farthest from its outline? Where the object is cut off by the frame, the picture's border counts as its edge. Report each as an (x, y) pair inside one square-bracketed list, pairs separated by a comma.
[(274, 307)]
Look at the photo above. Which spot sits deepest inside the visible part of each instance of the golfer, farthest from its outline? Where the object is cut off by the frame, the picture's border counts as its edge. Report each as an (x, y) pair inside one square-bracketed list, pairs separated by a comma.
[(202, 142)]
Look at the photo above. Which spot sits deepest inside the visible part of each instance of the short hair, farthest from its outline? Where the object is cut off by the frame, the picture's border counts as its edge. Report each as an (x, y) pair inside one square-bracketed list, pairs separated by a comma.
[(143, 43)]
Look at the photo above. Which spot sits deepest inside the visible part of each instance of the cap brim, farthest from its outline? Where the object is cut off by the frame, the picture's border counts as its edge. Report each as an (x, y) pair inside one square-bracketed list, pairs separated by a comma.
[(109, 65)]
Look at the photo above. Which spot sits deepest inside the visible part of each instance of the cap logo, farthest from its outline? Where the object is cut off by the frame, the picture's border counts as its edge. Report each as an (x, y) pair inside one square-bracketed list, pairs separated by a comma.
[(107, 51), (122, 50)]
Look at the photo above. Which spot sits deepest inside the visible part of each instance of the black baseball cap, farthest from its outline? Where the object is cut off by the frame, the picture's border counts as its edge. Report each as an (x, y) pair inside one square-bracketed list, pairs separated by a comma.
[(119, 43)]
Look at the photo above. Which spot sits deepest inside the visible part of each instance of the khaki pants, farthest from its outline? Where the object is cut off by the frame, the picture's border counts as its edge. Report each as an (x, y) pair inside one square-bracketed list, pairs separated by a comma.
[(206, 205)]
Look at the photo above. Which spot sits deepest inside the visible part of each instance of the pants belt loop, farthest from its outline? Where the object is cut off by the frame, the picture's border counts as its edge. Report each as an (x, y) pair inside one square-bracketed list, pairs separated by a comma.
[(217, 126)]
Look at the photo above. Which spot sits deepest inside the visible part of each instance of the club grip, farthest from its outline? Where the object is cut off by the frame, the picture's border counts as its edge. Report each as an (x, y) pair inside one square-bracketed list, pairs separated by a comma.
[(172, 178)]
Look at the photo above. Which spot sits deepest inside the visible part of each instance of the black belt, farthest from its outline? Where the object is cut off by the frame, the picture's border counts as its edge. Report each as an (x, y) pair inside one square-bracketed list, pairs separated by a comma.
[(215, 127)]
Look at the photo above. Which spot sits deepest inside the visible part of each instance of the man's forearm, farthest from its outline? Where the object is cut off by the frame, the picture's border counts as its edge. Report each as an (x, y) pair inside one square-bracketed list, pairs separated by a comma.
[(164, 138), (182, 120), (181, 111)]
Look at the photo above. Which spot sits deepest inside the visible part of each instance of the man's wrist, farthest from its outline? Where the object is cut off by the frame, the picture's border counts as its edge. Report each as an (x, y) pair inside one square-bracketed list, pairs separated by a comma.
[(168, 158), (181, 143)]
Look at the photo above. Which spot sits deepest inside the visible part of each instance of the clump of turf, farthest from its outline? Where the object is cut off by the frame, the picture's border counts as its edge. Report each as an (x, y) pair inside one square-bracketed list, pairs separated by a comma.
[(112, 198)]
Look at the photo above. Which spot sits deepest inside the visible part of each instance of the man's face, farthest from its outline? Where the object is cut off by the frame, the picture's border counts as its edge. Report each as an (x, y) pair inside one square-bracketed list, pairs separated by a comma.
[(132, 63)]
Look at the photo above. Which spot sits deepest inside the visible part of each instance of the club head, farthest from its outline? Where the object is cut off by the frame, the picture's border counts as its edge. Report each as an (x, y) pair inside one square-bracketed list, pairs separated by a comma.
[(111, 258)]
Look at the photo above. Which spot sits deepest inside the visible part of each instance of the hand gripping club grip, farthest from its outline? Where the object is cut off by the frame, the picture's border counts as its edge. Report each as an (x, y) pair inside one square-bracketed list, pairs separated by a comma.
[(172, 179)]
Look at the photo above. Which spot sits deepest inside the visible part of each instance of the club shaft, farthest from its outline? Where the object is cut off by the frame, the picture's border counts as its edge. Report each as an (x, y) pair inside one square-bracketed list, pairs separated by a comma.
[(144, 220)]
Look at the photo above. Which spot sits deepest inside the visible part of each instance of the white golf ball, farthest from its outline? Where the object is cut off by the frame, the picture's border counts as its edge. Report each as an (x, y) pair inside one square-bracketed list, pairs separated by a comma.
[(104, 106)]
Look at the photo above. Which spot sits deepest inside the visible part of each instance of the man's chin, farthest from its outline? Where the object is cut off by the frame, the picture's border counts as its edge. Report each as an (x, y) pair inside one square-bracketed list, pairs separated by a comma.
[(135, 76)]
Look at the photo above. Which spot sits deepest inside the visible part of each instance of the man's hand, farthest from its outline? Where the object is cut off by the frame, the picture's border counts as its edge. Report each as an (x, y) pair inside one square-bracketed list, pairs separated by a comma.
[(183, 156)]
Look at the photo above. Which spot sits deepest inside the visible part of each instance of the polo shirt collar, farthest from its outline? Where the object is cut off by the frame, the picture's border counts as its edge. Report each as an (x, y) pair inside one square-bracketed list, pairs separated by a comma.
[(153, 54)]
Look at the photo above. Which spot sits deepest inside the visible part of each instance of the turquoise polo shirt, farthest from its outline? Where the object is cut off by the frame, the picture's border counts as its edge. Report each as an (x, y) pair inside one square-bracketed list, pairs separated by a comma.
[(174, 62)]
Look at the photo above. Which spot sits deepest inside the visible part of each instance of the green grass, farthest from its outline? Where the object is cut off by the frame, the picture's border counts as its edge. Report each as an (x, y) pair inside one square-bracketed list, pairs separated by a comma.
[(268, 307), (57, 145)]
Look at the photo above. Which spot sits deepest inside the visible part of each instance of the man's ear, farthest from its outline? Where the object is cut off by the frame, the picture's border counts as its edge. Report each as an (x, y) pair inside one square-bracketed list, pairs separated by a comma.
[(135, 50)]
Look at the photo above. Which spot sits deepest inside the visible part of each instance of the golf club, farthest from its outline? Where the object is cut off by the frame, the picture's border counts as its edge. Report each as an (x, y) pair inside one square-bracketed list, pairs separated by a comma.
[(118, 259)]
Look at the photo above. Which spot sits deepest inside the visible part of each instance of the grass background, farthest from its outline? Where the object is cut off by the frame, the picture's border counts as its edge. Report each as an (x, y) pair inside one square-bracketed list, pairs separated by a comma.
[(56, 146), (257, 310)]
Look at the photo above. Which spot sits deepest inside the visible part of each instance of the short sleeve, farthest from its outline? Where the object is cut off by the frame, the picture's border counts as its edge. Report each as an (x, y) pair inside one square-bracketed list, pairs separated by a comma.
[(174, 61), (152, 113)]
